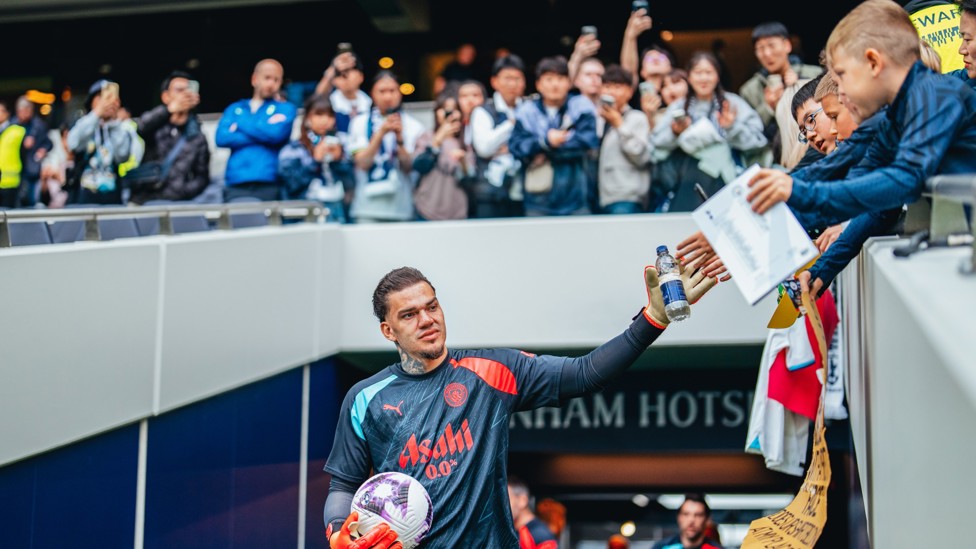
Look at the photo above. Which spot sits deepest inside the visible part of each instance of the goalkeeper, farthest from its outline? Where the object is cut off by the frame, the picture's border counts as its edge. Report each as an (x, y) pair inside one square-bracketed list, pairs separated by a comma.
[(441, 415)]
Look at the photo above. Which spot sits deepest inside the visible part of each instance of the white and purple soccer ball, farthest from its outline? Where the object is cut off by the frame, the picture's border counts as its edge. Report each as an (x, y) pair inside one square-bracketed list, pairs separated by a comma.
[(398, 500)]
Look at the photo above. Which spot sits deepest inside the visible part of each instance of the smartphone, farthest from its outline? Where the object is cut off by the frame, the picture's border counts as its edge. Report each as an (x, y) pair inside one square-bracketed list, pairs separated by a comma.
[(344, 47), (588, 29), (110, 91), (608, 100), (193, 86), (701, 192), (331, 140), (680, 115), (392, 110), (774, 81), (639, 5), (647, 88)]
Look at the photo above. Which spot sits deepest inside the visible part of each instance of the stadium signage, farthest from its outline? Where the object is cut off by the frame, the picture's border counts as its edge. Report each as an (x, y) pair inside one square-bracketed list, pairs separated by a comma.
[(654, 411)]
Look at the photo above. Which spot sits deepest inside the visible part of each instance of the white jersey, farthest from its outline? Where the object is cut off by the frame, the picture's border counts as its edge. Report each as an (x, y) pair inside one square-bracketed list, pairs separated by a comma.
[(776, 433)]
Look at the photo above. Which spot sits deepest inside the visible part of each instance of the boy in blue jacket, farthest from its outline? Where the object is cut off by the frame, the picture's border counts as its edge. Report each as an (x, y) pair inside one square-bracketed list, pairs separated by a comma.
[(929, 126), (874, 56), (551, 138), (255, 129)]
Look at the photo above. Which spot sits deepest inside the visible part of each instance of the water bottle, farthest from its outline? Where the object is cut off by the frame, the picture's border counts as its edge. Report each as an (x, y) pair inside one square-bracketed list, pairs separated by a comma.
[(675, 303)]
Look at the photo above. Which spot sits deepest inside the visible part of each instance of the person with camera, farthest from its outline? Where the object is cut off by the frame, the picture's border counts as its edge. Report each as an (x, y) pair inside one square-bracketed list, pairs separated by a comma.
[(498, 190), (779, 69), (382, 143), (707, 137), (443, 161), (625, 151), (100, 142), (552, 137), (177, 159), (306, 165)]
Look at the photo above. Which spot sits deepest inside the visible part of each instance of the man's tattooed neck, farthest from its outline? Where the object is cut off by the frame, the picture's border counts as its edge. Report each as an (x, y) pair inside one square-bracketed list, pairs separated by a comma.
[(410, 364)]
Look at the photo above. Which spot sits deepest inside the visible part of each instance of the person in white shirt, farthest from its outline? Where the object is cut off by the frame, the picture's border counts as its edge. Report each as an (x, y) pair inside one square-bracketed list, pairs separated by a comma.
[(498, 191), (382, 142)]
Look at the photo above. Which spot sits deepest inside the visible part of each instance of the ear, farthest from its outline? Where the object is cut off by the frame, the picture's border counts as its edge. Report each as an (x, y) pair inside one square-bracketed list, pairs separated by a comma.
[(789, 45), (875, 61), (387, 331)]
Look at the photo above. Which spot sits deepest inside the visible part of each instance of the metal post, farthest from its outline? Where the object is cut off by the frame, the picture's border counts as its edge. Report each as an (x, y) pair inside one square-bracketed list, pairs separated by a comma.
[(165, 224), (4, 231), (91, 228)]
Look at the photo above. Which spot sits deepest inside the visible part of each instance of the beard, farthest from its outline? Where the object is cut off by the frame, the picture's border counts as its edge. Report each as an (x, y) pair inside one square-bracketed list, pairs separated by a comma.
[(431, 354)]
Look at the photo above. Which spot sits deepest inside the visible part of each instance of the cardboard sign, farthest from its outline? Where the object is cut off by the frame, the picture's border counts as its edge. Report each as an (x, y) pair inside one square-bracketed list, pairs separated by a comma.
[(800, 524)]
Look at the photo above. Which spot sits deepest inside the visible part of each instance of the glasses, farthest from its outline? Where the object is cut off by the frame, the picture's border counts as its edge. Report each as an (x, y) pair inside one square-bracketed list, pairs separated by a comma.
[(809, 124)]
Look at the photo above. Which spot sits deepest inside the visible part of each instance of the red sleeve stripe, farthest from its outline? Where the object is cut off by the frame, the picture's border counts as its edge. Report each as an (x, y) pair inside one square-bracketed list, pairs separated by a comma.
[(493, 373), (653, 322)]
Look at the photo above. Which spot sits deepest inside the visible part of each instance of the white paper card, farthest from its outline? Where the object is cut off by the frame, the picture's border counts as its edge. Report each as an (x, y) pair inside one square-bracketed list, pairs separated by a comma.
[(759, 251)]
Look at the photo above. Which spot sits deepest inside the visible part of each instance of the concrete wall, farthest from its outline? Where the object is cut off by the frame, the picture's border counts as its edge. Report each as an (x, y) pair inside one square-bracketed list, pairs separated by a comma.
[(912, 392), (98, 335)]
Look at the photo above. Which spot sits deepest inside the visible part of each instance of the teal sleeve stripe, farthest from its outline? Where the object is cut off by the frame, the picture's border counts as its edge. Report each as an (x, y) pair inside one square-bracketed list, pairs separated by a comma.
[(361, 402)]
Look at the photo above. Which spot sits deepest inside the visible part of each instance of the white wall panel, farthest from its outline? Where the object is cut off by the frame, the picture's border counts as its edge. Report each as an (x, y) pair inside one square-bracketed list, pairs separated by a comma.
[(549, 282), (238, 306), (77, 331)]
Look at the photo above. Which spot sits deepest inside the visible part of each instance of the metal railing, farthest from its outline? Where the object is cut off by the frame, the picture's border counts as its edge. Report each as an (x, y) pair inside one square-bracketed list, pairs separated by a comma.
[(948, 222), (218, 214)]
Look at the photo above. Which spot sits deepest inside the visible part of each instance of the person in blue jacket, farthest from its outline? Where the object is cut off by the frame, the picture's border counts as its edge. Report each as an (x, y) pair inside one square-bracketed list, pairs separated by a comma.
[(255, 129), (551, 138)]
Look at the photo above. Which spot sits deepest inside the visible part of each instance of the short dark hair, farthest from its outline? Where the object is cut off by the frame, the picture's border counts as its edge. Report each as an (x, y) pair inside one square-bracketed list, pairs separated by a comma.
[(556, 64), (394, 281), (518, 485), (472, 82), (968, 6), (511, 61), (615, 74), (804, 94), (768, 29), (169, 78), (385, 73), (697, 498)]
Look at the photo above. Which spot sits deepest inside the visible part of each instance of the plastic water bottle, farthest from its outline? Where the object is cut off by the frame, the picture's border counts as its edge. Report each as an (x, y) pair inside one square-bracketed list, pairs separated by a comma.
[(675, 303)]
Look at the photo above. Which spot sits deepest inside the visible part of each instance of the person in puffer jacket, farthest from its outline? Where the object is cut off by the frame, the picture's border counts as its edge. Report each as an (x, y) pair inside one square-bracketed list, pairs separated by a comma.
[(162, 128)]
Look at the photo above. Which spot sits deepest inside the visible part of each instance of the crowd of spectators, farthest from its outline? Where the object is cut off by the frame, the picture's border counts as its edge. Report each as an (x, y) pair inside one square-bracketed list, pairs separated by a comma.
[(595, 137)]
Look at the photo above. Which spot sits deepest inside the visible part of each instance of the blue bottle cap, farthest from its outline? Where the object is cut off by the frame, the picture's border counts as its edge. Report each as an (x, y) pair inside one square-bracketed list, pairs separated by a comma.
[(662, 250)]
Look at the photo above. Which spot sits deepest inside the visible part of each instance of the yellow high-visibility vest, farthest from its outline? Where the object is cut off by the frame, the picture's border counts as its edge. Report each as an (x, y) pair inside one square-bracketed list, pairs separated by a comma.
[(939, 26), (10, 164)]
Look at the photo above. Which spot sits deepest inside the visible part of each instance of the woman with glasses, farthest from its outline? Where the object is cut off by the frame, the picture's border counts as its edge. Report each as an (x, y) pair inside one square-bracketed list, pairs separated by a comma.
[(707, 137)]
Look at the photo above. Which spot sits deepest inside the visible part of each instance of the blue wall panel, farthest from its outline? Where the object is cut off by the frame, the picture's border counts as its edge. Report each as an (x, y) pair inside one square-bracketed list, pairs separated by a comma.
[(325, 397), (224, 472), (79, 496)]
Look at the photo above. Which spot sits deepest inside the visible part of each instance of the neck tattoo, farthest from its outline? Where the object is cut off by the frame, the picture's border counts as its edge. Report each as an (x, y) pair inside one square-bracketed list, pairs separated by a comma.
[(410, 364)]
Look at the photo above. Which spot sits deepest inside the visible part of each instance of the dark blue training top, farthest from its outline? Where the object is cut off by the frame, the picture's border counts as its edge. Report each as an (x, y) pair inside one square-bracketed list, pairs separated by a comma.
[(448, 428), (930, 130)]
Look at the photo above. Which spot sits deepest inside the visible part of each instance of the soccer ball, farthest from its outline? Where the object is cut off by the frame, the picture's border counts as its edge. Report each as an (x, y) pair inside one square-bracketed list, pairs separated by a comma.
[(398, 500)]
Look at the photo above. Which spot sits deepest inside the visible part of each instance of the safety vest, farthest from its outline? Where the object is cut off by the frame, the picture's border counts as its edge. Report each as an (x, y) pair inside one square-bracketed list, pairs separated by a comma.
[(10, 163), (939, 26), (132, 161)]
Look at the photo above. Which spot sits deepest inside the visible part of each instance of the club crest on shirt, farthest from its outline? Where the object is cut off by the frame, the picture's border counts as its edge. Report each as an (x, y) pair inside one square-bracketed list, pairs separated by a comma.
[(455, 394)]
